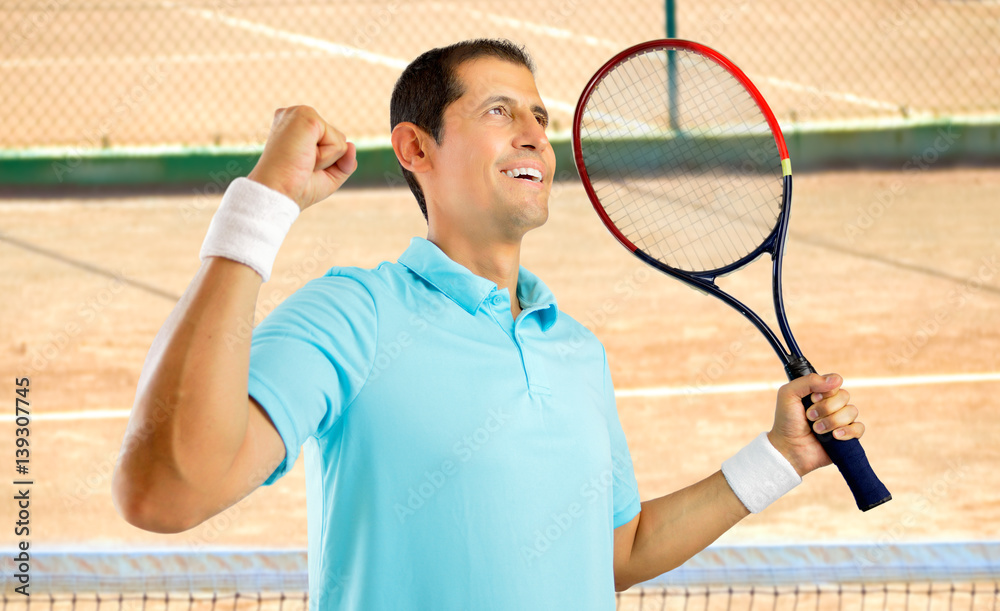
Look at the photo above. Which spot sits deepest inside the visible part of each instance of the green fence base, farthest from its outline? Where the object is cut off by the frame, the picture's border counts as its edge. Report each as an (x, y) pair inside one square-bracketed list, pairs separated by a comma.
[(934, 143), (927, 144)]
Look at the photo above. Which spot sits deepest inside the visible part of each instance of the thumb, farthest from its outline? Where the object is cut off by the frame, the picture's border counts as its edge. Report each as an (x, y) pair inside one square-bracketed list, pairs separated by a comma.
[(814, 384), (338, 162), (348, 162)]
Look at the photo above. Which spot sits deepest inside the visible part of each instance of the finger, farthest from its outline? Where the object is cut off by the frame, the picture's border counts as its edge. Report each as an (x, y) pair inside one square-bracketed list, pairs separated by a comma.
[(830, 404), (841, 418), (344, 165), (329, 150), (816, 397), (278, 112), (803, 387), (282, 117), (852, 431), (330, 134), (339, 172)]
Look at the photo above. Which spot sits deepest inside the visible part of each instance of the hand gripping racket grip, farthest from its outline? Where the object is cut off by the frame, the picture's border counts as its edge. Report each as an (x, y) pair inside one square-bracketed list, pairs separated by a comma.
[(848, 455)]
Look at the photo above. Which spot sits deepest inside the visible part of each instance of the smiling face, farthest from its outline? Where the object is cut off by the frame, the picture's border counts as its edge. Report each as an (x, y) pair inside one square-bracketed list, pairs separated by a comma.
[(492, 172)]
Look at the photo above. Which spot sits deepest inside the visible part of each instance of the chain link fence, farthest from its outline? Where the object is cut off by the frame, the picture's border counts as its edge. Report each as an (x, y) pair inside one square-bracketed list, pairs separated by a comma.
[(89, 74), (94, 74), (845, 60)]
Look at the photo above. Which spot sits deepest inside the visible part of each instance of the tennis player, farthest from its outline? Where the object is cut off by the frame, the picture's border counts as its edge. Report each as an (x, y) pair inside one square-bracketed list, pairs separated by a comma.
[(462, 446)]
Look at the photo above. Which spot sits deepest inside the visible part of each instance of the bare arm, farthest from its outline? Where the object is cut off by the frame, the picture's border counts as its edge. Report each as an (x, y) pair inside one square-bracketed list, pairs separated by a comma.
[(196, 442), (673, 528), (192, 414)]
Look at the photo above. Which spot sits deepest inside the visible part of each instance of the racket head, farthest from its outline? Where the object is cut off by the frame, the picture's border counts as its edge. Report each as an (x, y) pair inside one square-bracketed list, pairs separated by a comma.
[(682, 158)]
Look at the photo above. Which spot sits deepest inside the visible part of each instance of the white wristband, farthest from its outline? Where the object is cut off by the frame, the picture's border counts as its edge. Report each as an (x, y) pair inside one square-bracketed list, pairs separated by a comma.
[(250, 225), (759, 474)]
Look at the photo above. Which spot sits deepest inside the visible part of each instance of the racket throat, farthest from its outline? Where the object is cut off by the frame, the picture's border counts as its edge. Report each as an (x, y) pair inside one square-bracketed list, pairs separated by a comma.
[(777, 258)]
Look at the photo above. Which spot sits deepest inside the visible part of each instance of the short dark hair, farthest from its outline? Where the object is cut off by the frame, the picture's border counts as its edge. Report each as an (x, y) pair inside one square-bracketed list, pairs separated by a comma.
[(430, 84)]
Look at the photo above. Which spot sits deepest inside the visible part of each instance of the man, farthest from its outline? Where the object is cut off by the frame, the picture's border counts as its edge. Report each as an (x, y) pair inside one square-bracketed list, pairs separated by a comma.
[(462, 445)]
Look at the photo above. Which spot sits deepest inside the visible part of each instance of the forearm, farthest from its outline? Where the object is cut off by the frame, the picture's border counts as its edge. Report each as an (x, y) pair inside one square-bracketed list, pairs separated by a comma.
[(191, 408), (195, 442), (673, 528)]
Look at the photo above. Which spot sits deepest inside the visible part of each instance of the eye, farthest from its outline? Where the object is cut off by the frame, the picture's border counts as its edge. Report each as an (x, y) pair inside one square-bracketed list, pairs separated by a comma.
[(542, 120), (497, 110)]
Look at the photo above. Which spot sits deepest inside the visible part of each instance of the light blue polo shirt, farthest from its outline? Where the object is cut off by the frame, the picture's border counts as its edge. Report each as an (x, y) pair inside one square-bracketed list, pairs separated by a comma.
[(455, 458)]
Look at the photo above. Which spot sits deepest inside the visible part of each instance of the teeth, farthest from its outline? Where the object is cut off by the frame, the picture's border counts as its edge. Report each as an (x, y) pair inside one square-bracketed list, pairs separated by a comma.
[(535, 175)]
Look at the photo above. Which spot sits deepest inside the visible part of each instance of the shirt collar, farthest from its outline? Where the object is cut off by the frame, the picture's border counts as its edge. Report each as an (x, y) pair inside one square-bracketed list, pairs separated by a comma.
[(468, 290)]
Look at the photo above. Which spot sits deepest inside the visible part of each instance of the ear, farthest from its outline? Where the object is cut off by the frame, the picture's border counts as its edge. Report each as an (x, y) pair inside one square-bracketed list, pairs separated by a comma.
[(411, 144)]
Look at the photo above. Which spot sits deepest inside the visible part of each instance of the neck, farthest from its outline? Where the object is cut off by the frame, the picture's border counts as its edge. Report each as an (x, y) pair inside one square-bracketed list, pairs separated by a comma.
[(498, 262)]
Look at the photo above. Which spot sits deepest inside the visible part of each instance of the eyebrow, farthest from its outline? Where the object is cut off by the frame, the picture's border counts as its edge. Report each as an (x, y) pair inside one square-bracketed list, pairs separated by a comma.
[(539, 110)]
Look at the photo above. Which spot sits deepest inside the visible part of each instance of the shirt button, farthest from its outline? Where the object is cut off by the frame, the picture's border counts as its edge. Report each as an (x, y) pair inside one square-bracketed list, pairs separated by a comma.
[(497, 299)]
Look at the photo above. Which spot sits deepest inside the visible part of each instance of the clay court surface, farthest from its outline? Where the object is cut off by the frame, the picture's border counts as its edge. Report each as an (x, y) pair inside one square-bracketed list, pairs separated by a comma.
[(892, 278), (888, 275)]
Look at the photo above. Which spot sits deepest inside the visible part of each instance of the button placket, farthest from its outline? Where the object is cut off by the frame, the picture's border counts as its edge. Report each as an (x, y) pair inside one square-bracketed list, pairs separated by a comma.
[(534, 365)]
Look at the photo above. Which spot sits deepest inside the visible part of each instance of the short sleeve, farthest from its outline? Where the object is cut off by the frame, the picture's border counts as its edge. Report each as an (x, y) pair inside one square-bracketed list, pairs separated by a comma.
[(310, 357), (625, 488)]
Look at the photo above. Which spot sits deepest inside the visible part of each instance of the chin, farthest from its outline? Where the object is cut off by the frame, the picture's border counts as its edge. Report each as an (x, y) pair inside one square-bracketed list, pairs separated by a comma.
[(524, 215), (531, 218)]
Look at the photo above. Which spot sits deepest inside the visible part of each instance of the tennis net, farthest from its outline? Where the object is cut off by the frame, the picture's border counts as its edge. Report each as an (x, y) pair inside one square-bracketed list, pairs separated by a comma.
[(818, 577)]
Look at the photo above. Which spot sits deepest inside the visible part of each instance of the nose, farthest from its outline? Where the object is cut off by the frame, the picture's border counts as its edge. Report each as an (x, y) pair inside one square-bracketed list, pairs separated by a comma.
[(531, 134)]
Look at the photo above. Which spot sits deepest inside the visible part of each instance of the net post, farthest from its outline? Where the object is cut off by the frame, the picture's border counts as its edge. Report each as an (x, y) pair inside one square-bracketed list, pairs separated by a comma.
[(670, 11)]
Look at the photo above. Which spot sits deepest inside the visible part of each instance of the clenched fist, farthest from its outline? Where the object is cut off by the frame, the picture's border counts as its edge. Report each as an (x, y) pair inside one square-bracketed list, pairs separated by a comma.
[(305, 157)]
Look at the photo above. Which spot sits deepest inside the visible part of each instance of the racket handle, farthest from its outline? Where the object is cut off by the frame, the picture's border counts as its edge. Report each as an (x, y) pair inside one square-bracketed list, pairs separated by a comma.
[(847, 454)]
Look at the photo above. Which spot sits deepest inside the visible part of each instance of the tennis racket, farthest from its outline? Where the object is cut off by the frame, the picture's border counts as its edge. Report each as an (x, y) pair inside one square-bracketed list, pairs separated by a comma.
[(686, 166)]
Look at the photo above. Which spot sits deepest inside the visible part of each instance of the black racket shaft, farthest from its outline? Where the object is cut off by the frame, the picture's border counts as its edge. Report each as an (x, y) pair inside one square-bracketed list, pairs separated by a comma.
[(848, 455), (679, 167)]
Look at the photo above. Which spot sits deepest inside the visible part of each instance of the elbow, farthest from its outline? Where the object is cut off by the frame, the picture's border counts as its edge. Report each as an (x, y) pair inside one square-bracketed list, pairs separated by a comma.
[(624, 579), (622, 584), (138, 504), (145, 488)]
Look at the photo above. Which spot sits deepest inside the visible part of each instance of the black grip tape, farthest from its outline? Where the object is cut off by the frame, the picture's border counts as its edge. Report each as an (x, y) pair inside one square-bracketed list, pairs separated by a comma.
[(848, 454)]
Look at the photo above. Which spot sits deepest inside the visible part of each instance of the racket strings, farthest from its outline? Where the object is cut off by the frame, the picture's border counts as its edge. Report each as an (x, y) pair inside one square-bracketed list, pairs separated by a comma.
[(700, 191), (682, 159), (641, 213)]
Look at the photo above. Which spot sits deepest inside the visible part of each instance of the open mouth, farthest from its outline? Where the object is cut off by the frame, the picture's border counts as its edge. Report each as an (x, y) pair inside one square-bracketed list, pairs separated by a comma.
[(529, 174)]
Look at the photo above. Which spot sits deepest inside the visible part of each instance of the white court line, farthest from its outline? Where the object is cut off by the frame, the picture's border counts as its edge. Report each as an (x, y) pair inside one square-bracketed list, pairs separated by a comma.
[(176, 58), (319, 45), (347, 51), (552, 32), (833, 95), (534, 28), (721, 389), (661, 391), (300, 39)]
